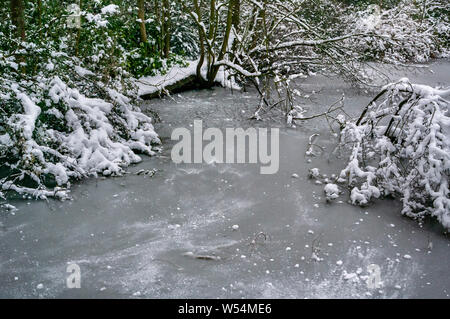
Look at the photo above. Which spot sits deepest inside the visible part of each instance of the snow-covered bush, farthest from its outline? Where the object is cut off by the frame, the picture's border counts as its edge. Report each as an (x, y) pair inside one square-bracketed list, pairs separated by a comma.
[(411, 31), (57, 133), (400, 146), (68, 109)]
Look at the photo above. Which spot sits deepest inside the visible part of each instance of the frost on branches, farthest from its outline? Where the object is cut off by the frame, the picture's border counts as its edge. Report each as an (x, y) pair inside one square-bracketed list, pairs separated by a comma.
[(409, 32), (400, 146), (46, 142), (68, 109)]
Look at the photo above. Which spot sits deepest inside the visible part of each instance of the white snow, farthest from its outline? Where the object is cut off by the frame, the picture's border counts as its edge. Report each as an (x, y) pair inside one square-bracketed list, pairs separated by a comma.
[(82, 71), (28, 120), (157, 83), (110, 9), (331, 191), (314, 173), (9, 207)]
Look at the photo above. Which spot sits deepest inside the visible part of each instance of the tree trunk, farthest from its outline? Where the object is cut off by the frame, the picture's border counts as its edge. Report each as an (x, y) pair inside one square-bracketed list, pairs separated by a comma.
[(141, 16), (17, 17), (166, 28), (211, 35), (159, 40), (236, 14), (201, 42), (40, 18), (236, 23), (78, 36), (189, 83), (226, 38), (18, 20)]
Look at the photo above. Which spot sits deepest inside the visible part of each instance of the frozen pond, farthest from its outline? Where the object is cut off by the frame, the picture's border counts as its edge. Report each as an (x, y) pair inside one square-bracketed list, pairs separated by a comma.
[(139, 236)]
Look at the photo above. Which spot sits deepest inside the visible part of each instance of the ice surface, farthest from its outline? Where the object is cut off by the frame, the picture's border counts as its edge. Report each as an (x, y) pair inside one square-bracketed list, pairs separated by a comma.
[(130, 234)]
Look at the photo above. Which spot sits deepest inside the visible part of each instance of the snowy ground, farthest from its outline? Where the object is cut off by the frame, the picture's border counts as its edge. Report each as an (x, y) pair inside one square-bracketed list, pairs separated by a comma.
[(137, 236)]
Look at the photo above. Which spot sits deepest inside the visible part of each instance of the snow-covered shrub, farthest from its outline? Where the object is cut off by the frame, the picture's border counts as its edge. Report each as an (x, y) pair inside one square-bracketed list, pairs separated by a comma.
[(47, 139), (400, 146), (67, 111), (411, 31), (331, 191), (314, 173)]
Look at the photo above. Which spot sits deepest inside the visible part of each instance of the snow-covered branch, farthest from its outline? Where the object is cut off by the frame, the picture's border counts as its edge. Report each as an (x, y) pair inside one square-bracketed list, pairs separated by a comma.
[(400, 147)]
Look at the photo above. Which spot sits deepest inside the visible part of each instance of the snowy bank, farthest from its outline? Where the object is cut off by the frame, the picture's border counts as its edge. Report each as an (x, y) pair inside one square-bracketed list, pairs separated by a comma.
[(179, 78)]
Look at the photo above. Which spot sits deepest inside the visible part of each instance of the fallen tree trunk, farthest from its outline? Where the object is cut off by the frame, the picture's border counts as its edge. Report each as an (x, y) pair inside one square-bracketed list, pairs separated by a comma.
[(188, 83)]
